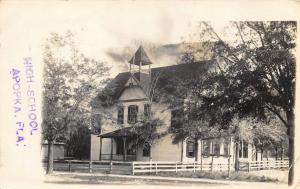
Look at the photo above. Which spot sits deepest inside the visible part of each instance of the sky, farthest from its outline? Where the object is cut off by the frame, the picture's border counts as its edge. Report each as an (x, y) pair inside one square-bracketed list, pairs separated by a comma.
[(98, 26)]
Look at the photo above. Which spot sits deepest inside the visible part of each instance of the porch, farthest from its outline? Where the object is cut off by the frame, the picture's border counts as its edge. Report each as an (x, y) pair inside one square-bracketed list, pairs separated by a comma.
[(123, 146)]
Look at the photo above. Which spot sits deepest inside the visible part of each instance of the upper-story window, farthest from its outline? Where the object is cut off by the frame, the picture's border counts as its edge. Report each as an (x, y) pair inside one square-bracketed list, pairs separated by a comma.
[(120, 115), (147, 110), (132, 114)]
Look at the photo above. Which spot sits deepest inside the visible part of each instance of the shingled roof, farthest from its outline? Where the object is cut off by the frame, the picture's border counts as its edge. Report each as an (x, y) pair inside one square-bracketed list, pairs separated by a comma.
[(181, 71), (140, 57)]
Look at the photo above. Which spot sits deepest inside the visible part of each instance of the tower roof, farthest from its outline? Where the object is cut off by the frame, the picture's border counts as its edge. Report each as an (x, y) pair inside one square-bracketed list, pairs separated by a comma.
[(140, 57)]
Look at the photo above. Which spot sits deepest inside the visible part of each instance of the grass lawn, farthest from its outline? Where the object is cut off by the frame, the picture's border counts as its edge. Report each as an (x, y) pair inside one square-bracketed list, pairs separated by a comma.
[(255, 176)]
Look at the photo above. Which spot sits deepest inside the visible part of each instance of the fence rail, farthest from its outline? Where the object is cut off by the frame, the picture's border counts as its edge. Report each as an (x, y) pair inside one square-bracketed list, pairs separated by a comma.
[(134, 167), (260, 165), (155, 167)]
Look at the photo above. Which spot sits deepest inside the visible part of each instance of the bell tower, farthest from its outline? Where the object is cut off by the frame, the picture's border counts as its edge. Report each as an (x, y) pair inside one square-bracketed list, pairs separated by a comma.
[(140, 68)]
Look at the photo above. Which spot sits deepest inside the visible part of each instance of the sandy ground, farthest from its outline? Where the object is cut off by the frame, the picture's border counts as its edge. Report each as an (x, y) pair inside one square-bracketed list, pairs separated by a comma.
[(282, 176), (74, 180), (90, 180)]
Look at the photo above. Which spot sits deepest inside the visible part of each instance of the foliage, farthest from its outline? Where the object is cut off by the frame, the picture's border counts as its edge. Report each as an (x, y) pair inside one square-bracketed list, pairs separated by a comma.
[(78, 144), (70, 81), (256, 75)]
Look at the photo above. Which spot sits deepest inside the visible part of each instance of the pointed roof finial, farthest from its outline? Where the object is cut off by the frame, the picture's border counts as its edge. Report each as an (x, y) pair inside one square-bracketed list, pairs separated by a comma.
[(140, 57)]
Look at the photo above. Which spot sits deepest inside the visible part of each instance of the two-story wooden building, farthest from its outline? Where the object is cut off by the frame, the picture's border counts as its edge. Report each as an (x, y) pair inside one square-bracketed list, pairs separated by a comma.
[(128, 95)]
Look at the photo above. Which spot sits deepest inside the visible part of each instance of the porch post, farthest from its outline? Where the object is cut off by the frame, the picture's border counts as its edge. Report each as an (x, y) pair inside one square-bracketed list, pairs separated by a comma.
[(201, 155), (124, 149), (182, 150), (111, 149), (242, 149), (100, 153), (136, 151)]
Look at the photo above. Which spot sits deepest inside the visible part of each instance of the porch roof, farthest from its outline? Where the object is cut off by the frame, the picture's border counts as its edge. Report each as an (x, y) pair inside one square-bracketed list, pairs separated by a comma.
[(123, 132)]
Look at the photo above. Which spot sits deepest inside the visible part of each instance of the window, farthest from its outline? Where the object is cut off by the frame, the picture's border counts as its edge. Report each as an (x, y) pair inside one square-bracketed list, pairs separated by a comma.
[(240, 149), (206, 150), (132, 114), (190, 149), (217, 148), (147, 110), (146, 150), (245, 150), (120, 115), (226, 148)]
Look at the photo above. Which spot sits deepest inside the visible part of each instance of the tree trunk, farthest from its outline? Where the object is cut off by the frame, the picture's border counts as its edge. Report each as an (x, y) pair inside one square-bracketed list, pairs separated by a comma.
[(256, 154), (124, 149), (196, 149), (50, 158), (261, 154), (150, 152), (236, 165), (290, 129)]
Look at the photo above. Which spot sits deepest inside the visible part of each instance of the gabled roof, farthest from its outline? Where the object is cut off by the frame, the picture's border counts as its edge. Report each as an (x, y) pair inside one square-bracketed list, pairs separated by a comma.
[(140, 57), (180, 72)]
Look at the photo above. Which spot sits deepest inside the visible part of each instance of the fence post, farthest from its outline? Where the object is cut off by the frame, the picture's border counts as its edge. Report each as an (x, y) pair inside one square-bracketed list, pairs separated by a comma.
[(248, 166), (69, 165), (194, 167), (132, 165), (90, 166), (228, 173), (212, 163), (111, 165), (176, 167), (156, 168)]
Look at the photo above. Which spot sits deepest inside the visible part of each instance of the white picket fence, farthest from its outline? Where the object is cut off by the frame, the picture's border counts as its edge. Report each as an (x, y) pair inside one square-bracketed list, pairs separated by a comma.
[(155, 167), (119, 167), (261, 165)]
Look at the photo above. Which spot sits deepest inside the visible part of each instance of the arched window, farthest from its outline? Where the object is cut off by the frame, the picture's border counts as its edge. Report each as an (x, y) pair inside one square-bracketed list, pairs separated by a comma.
[(190, 148), (132, 114)]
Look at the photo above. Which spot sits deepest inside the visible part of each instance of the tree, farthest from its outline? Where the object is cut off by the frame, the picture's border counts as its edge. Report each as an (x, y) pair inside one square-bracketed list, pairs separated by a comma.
[(78, 143), (147, 131), (256, 75), (182, 91), (70, 81)]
